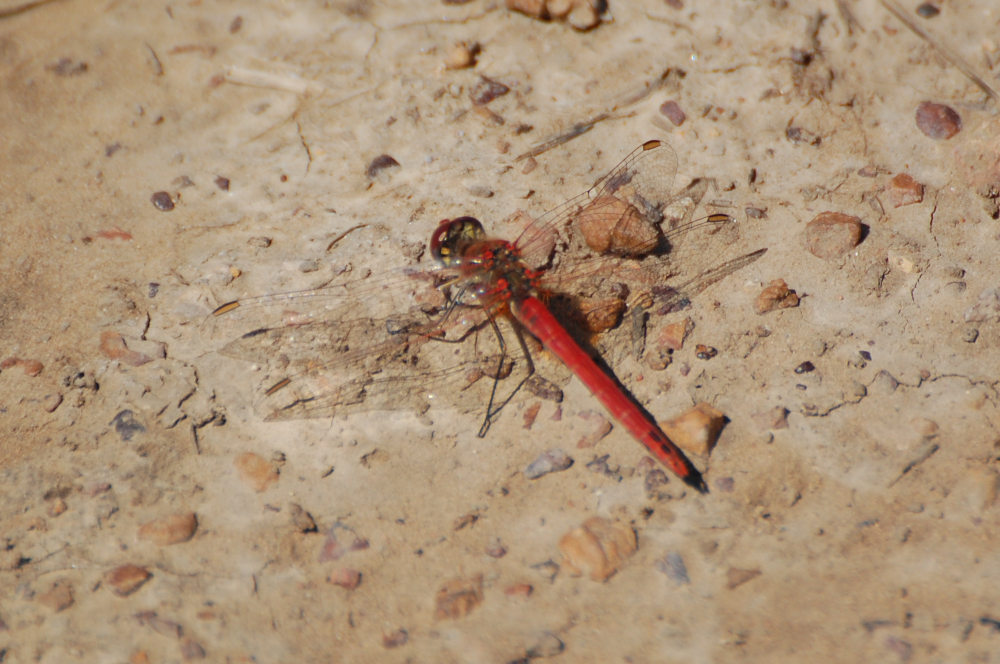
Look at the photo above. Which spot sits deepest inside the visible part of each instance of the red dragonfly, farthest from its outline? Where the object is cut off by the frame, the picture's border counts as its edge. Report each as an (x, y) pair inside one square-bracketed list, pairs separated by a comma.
[(338, 361)]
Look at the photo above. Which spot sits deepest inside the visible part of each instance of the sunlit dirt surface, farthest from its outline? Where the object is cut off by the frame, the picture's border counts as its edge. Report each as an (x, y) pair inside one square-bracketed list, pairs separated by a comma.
[(161, 159)]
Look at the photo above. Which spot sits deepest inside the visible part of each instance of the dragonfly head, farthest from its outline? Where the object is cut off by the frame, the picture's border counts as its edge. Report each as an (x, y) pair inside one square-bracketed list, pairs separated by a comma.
[(452, 236)]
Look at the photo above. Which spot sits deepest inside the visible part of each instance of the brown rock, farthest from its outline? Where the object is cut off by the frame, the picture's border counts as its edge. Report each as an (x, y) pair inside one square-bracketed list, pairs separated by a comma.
[(255, 471), (611, 225), (904, 190), (126, 579), (672, 336), (832, 234), (458, 597), (58, 597), (736, 577), (697, 430), (776, 295), (172, 529), (519, 590), (937, 120), (345, 577), (597, 548)]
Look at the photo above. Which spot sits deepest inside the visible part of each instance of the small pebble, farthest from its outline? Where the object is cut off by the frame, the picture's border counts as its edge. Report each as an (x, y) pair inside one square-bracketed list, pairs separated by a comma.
[(552, 461), (56, 506), (457, 597), (755, 213), (462, 55), (126, 426), (51, 401), (805, 367), (57, 598), (938, 121), (345, 577), (191, 649), (776, 295), (256, 472), (162, 201), (653, 480), (970, 334), (395, 639), (610, 225), (986, 308), (597, 548), (172, 529), (697, 430), (601, 427), (904, 190), (486, 90), (126, 579), (736, 577), (530, 414), (672, 336), (309, 265), (927, 10), (496, 549), (519, 590), (222, 183), (376, 166), (673, 566), (672, 111), (159, 625), (301, 520), (832, 234), (703, 352), (341, 540)]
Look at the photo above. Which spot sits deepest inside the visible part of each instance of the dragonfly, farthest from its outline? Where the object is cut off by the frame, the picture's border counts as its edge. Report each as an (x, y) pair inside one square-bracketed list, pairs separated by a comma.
[(337, 359)]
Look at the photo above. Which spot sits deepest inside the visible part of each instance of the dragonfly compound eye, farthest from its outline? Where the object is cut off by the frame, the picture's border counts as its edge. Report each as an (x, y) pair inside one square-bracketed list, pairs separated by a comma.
[(452, 236)]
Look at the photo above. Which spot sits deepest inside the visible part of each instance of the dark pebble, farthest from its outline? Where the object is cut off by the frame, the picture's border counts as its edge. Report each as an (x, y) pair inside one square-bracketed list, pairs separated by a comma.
[(937, 120), (673, 112), (162, 201)]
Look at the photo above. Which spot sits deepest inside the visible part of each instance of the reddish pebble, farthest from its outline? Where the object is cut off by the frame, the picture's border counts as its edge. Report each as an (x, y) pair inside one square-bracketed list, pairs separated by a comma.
[(776, 295), (395, 639), (672, 111), (601, 428), (530, 413), (126, 579), (456, 598), (172, 529), (496, 549), (938, 121), (697, 430), (736, 577), (57, 598), (255, 471), (832, 234), (672, 336), (113, 233), (519, 590), (904, 190), (345, 577), (30, 367), (597, 548)]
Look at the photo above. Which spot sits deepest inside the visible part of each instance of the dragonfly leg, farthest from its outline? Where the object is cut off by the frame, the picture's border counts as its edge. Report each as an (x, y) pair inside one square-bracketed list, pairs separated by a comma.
[(493, 408)]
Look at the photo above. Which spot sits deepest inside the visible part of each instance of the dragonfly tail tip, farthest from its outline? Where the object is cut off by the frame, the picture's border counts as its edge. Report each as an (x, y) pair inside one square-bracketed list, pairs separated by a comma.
[(695, 481)]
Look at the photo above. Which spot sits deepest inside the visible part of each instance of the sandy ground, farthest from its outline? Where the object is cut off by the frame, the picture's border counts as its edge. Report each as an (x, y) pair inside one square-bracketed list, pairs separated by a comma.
[(862, 526)]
